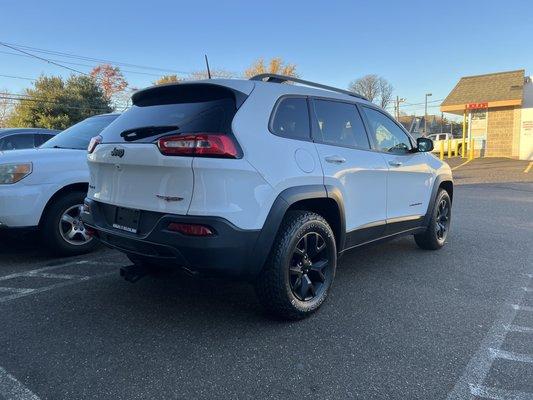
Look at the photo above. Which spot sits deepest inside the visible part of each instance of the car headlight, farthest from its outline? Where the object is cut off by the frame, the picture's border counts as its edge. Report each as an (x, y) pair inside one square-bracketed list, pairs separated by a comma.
[(12, 173)]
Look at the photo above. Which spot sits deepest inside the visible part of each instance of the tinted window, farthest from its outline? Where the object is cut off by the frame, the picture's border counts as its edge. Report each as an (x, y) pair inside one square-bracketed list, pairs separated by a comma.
[(15, 142), (340, 124), (78, 136), (291, 119), (179, 109), (42, 138), (386, 135)]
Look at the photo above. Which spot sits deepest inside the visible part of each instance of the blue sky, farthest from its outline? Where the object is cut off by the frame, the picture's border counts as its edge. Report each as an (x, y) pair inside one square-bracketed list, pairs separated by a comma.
[(419, 46)]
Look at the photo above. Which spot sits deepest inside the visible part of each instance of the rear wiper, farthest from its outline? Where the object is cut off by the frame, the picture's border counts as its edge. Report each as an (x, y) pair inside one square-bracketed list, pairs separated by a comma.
[(142, 132)]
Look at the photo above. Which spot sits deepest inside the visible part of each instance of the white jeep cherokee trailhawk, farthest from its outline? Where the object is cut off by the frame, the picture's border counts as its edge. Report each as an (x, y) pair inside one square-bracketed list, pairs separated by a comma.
[(261, 180)]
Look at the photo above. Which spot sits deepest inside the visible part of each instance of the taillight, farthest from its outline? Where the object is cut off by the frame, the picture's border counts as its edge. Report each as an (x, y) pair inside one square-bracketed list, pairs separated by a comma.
[(201, 145), (95, 141), (191, 229)]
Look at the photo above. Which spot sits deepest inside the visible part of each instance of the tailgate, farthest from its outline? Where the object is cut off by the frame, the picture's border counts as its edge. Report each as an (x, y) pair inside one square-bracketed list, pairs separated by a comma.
[(138, 176)]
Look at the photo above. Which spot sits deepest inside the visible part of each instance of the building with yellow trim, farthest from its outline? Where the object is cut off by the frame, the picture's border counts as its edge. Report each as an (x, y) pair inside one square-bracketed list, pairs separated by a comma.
[(499, 111)]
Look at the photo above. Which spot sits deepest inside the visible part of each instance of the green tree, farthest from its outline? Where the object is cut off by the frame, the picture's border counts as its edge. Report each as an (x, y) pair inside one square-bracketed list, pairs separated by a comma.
[(56, 103)]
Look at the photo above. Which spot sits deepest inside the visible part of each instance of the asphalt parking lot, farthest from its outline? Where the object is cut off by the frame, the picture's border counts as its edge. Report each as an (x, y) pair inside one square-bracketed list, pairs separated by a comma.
[(400, 323)]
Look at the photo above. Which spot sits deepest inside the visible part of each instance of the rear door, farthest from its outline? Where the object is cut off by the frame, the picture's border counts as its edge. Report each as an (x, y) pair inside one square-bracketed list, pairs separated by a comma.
[(128, 169), (350, 165), (410, 179)]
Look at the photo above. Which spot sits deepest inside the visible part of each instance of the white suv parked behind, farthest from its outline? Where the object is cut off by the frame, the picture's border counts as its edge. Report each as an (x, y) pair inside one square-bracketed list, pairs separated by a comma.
[(261, 180), (44, 188)]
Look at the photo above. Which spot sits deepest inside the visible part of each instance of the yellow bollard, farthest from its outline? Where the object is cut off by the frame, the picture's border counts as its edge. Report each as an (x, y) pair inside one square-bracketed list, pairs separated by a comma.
[(463, 146), (471, 149), (442, 149), (456, 148), (449, 148)]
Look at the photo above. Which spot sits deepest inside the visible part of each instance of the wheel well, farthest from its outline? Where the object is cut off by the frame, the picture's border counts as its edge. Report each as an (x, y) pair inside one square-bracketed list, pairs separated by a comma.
[(448, 186), (74, 187), (328, 209)]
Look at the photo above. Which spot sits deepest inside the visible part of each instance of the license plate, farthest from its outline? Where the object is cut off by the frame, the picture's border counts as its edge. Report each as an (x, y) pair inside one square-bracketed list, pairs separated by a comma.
[(127, 219)]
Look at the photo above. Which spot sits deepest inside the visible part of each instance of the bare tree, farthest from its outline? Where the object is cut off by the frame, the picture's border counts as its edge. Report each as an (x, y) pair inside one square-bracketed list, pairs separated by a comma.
[(215, 73), (367, 86), (385, 92), (375, 88)]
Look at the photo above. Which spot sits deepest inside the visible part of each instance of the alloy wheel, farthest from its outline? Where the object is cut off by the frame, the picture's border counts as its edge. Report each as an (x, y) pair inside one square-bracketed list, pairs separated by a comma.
[(71, 227), (309, 267), (442, 221)]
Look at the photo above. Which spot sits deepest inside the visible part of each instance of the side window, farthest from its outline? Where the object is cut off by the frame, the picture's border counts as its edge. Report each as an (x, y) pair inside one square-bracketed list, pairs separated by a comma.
[(386, 134), (291, 119), (15, 142), (340, 124)]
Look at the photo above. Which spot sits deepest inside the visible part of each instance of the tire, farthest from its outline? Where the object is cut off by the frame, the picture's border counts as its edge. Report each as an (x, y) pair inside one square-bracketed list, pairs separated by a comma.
[(435, 235), (300, 268), (65, 208)]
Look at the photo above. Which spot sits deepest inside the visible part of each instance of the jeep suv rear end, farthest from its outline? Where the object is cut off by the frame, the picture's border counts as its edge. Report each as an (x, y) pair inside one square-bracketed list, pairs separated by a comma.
[(261, 181)]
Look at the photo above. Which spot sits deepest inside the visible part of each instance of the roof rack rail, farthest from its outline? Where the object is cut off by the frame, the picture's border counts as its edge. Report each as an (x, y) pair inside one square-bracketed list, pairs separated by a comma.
[(275, 78)]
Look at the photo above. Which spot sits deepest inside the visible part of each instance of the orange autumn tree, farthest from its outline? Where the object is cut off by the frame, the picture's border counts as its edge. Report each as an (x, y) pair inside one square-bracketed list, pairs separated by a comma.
[(274, 66), (110, 79)]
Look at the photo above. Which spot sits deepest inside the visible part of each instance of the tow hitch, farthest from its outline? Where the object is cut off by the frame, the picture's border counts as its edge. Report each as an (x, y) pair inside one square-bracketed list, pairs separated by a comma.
[(132, 273)]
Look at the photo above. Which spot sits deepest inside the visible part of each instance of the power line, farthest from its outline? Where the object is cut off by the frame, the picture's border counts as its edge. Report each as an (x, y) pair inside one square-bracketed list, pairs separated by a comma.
[(100, 60), (26, 97), (18, 77), (41, 58), (84, 65)]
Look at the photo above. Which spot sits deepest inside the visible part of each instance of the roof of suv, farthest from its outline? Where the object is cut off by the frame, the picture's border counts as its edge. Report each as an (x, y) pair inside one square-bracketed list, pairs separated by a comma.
[(247, 86)]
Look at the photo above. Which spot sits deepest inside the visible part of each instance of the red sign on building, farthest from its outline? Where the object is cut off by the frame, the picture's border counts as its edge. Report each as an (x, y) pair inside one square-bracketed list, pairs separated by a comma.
[(476, 106)]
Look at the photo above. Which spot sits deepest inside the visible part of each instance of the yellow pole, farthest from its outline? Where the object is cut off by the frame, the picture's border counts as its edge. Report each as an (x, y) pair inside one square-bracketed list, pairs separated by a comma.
[(449, 148), (442, 149), (471, 149), (463, 154), (456, 148)]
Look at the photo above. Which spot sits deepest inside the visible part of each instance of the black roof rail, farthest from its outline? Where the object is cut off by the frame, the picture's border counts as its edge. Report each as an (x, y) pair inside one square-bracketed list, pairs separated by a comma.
[(275, 78)]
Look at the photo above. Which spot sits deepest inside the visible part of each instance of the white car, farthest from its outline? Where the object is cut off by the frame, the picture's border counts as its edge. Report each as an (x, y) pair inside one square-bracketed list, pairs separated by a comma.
[(44, 188), (261, 180), (446, 138)]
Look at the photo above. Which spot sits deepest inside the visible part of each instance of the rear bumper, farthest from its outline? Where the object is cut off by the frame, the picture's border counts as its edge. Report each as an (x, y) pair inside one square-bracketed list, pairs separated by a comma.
[(228, 252)]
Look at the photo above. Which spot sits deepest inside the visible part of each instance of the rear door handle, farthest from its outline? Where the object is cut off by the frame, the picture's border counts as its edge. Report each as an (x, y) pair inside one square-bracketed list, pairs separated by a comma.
[(395, 163), (335, 159)]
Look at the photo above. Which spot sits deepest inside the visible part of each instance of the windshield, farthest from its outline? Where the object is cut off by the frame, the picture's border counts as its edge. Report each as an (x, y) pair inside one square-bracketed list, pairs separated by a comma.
[(78, 136)]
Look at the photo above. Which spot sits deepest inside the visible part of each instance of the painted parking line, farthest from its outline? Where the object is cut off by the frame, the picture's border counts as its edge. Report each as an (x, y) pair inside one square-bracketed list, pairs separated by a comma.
[(518, 328), (12, 389), (68, 279), (499, 394), (471, 382), (460, 165), (511, 356), (528, 168)]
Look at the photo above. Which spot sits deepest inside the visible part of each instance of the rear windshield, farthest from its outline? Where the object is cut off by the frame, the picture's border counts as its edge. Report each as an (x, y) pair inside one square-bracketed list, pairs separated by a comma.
[(179, 110)]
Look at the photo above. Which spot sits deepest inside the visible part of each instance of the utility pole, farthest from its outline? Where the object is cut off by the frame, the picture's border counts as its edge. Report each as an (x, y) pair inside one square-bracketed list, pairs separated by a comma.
[(426, 114), (441, 121), (397, 107)]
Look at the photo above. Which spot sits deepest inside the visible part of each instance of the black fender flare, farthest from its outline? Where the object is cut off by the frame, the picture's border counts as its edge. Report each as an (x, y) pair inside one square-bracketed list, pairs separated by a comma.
[(283, 202), (439, 179)]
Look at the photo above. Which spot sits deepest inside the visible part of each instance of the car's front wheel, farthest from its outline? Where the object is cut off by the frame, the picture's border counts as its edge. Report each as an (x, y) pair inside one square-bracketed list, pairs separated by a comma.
[(62, 229), (301, 267)]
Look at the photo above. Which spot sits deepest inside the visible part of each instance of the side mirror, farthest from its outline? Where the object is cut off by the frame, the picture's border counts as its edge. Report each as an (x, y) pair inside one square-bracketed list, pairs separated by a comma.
[(424, 144)]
